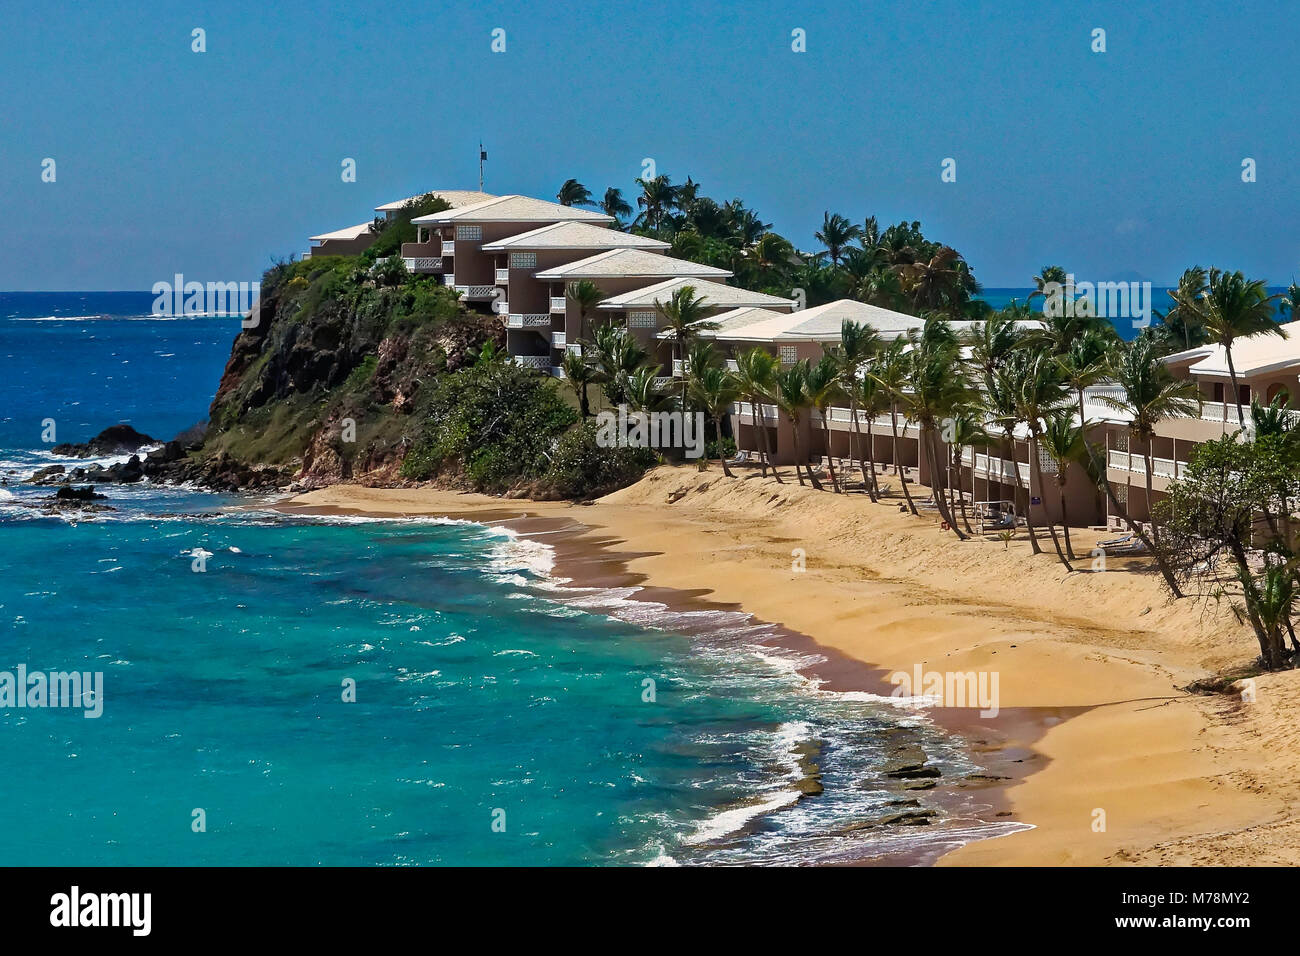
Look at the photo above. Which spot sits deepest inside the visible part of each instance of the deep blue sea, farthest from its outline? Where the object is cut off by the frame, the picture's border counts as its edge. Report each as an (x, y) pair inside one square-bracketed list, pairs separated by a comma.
[(500, 715)]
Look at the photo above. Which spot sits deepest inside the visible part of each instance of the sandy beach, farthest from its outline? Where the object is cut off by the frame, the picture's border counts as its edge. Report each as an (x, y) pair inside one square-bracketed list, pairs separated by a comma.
[(1121, 765)]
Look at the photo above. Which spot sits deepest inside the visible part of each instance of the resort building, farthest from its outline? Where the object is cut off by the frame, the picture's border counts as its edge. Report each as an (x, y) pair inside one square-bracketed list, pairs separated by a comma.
[(615, 272), (450, 243), (355, 240), (533, 327), (1268, 368)]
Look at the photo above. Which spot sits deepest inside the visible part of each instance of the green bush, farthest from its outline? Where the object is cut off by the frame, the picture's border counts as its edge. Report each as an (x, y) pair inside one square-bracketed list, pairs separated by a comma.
[(400, 230), (581, 468), (493, 420)]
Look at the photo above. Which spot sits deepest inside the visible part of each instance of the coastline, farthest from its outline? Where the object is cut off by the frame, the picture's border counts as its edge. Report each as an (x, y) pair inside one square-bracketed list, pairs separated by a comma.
[(1090, 664)]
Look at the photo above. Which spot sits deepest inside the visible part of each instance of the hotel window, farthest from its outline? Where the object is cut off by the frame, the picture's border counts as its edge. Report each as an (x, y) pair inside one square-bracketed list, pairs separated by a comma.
[(523, 260), (469, 232), (789, 354), (1121, 441), (1046, 461), (641, 320)]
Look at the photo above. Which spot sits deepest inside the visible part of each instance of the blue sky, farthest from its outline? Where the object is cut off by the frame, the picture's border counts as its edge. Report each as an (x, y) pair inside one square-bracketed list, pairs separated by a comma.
[(1123, 164)]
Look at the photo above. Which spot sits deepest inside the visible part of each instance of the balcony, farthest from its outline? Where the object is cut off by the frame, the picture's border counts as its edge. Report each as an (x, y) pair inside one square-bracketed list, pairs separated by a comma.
[(532, 361), (572, 348), (423, 264), (557, 371), (679, 368), (449, 247), (528, 320), (503, 276), (1160, 467), (1002, 469), (476, 292), (558, 303), (558, 340)]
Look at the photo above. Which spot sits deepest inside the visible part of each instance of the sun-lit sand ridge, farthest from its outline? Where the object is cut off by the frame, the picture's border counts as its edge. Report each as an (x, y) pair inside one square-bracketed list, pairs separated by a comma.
[(1181, 778)]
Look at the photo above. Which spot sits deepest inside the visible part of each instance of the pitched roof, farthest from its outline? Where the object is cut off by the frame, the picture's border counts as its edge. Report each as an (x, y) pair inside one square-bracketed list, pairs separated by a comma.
[(631, 263), (458, 198), (351, 232), (820, 324), (574, 235), (512, 209), (1254, 355), (713, 294)]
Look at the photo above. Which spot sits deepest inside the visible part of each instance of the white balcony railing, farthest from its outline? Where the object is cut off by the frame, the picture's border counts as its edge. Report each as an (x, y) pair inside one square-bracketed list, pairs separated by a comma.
[(558, 339), (424, 264), (1002, 469), (477, 291), (532, 361), (679, 368), (1160, 467), (557, 371), (663, 381), (449, 247), (528, 320), (557, 303), (572, 348), (503, 276)]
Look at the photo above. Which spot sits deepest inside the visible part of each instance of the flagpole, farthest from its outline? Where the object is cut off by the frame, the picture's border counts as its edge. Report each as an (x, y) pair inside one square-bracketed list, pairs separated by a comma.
[(480, 165)]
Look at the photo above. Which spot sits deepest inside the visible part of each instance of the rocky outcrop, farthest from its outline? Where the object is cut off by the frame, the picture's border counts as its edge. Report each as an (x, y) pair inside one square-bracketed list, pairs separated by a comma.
[(114, 440)]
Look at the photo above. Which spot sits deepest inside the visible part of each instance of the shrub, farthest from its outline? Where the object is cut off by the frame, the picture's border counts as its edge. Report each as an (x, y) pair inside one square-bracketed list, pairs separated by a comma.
[(494, 420), (581, 468)]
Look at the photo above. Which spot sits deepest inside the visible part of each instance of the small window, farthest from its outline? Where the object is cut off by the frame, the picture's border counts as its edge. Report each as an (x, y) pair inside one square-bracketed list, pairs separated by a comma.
[(789, 354), (469, 232), (641, 320), (523, 260)]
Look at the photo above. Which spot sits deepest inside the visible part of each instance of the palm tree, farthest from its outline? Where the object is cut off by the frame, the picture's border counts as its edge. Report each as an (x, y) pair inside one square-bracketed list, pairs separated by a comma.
[(968, 431), (658, 198), (1063, 441), (823, 384), (836, 233), (1185, 315), (890, 370), (755, 374), (1040, 395), (941, 283), (1002, 401), (617, 355), (1290, 302), (858, 343), (715, 390), (1045, 277), (1151, 394), (644, 393), (615, 205), (937, 391), (871, 401), (585, 295), (683, 322), (579, 374), (1234, 307), (573, 193), (790, 393)]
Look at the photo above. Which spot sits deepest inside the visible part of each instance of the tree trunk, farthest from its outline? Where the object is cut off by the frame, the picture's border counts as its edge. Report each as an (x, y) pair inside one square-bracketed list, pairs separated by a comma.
[(1236, 392), (857, 446), (830, 464), (1065, 521), (964, 518), (941, 502), (1133, 526), (1029, 494), (871, 461), (722, 455), (1037, 467), (902, 478), (756, 407), (1270, 655)]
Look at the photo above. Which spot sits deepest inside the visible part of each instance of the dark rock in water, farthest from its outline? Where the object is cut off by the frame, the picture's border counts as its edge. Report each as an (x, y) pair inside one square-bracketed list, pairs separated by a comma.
[(910, 818), (114, 440), (50, 474), (69, 493), (913, 771), (919, 785), (172, 451)]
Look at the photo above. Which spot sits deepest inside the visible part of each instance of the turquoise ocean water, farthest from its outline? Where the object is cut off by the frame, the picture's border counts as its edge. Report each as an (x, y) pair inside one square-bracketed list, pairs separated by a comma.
[(486, 690)]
